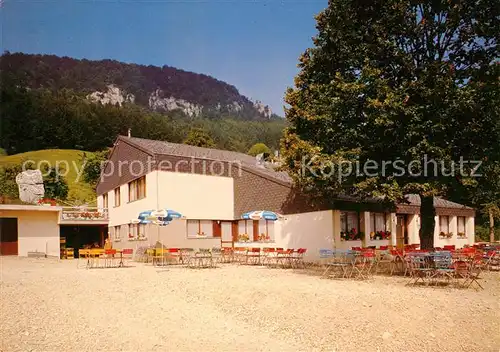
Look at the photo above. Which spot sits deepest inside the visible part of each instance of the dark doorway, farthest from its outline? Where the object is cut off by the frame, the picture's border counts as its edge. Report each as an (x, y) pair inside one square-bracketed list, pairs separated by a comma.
[(80, 236), (8, 236), (401, 230)]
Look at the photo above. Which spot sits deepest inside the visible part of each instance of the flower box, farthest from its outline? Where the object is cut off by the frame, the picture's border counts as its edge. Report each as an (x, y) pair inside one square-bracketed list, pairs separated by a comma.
[(461, 235), (380, 235), (47, 202), (243, 238), (351, 235), (443, 235)]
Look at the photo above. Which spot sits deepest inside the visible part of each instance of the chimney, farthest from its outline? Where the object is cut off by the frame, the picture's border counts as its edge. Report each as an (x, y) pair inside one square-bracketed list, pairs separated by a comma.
[(129, 133)]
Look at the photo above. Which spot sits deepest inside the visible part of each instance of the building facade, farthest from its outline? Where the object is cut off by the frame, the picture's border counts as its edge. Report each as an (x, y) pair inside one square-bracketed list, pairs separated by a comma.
[(213, 188)]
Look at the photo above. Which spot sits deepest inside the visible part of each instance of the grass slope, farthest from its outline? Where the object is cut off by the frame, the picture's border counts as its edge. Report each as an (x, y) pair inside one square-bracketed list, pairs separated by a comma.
[(68, 160)]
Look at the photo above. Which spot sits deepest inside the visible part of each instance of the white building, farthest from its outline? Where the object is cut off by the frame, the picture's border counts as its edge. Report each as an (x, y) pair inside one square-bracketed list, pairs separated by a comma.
[(213, 188)]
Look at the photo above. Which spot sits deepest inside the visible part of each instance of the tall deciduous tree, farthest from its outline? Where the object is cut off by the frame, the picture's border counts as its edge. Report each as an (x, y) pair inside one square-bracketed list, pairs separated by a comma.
[(404, 89), (259, 148), (199, 138), (55, 184)]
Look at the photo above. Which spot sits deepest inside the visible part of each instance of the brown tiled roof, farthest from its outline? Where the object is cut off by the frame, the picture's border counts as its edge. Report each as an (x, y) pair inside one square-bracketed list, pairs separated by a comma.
[(247, 161), (414, 199)]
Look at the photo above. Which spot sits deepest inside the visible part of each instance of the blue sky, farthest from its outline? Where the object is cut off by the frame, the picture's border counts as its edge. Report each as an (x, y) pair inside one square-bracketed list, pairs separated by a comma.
[(253, 45)]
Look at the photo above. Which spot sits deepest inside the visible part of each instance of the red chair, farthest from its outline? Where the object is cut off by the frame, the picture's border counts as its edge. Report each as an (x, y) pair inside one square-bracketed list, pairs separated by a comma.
[(109, 256), (384, 248), (127, 253), (449, 247), (356, 248), (297, 258)]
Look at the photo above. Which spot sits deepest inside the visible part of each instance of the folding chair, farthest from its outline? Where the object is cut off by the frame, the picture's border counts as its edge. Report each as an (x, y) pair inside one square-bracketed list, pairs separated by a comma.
[(326, 257), (186, 256), (297, 258), (362, 264), (419, 269), (283, 257), (443, 266), (267, 254), (227, 255), (343, 260), (216, 255), (475, 270), (127, 255)]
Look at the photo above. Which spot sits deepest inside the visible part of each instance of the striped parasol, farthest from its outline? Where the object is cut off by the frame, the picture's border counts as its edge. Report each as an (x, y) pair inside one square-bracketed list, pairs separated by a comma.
[(159, 217), (261, 214)]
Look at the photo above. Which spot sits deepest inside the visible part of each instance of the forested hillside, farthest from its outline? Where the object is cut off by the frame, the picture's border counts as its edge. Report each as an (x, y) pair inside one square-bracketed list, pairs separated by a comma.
[(161, 89), (34, 119)]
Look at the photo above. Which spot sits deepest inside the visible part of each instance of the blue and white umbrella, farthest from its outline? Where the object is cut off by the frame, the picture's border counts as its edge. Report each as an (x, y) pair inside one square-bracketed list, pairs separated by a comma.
[(261, 214), (160, 216)]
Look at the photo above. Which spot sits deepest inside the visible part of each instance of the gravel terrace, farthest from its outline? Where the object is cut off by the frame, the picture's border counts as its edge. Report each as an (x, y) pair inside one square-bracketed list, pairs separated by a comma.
[(50, 305)]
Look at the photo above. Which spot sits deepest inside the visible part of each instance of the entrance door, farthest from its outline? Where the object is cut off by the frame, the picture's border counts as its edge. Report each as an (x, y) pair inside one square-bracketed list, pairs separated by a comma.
[(401, 237), (226, 237), (8, 236)]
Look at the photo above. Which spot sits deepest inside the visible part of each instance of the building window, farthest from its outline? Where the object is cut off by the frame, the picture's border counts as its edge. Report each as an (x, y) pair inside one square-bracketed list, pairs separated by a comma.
[(141, 231), (201, 228), (245, 230), (461, 229), (105, 200), (444, 225), (132, 230), (137, 189), (378, 221), (117, 233), (266, 231), (253, 230), (349, 226), (117, 197)]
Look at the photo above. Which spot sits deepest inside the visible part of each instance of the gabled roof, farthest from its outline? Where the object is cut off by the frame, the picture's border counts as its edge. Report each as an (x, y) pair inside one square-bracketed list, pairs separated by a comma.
[(168, 148), (414, 199)]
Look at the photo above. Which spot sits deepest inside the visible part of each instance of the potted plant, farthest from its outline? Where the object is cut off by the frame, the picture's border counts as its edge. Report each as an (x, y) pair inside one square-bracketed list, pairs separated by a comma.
[(131, 237), (243, 238), (351, 235), (445, 235), (461, 235), (47, 202)]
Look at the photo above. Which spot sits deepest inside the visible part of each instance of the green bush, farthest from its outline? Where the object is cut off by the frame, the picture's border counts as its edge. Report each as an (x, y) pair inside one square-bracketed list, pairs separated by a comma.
[(259, 148), (483, 233)]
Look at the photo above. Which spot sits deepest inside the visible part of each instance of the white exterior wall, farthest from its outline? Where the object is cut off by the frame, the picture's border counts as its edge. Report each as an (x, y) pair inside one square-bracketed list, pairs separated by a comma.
[(313, 231), (38, 231), (196, 197), (173, 235), (413, 228), (453, 225)]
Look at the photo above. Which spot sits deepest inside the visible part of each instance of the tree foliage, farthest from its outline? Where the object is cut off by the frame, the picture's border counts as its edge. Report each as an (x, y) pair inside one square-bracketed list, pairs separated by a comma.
[(93, 164), (8, 186), (259, 148), (199, 138), (85, 76), (54, 183), (45, 119), (395, 81)]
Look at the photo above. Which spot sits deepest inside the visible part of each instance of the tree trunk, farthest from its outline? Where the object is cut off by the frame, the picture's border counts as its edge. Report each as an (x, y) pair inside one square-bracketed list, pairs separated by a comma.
[(427, 222), (492, 226)]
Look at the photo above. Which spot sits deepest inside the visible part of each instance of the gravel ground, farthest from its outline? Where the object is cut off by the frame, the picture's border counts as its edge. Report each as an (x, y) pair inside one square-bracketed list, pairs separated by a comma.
[(49, 305)]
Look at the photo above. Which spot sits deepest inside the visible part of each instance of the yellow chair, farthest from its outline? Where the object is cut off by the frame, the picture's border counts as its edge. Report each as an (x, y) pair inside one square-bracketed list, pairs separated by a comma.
[(70, 253)]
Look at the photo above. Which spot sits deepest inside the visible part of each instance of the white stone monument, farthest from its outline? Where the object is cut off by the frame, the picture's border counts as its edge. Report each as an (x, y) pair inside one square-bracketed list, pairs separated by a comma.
[(30, 184)]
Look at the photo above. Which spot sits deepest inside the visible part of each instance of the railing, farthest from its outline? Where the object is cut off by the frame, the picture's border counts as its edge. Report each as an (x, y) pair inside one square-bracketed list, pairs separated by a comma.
[(84, 214)]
